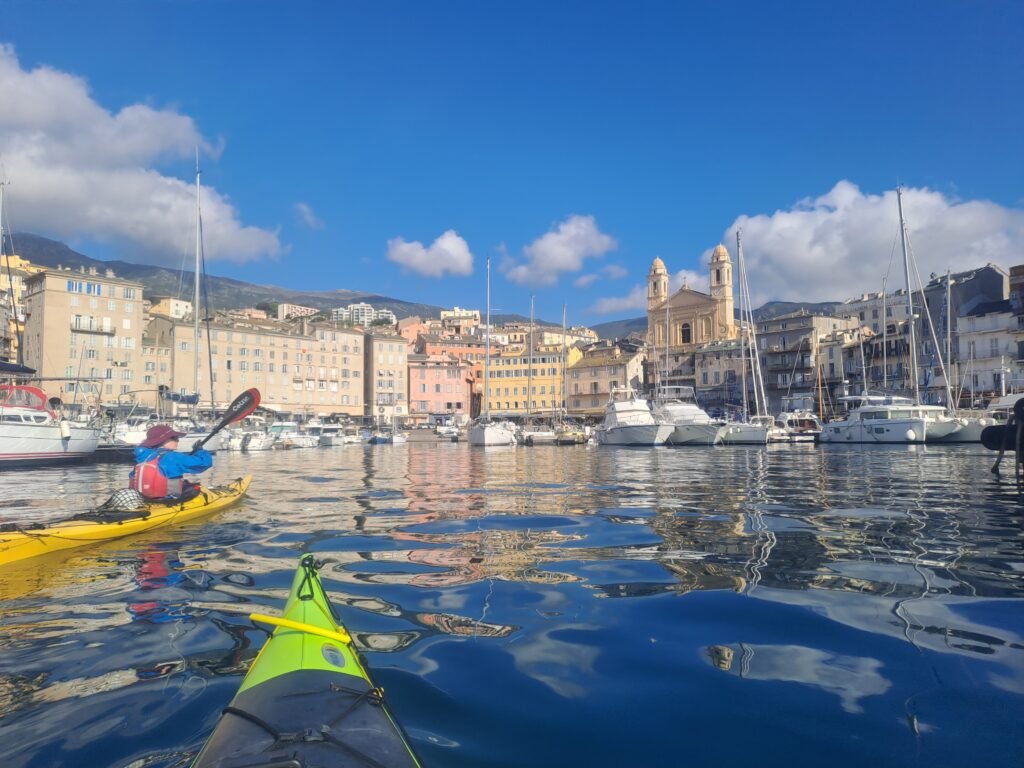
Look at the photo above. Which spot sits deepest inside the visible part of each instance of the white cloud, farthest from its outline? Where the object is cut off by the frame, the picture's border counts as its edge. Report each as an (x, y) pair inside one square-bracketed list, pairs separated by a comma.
[(561, 250), (81, 171), (584, 280), (695, 281), (449, 253), (307, 217), (615, 272), (635, 300), (838, 245)]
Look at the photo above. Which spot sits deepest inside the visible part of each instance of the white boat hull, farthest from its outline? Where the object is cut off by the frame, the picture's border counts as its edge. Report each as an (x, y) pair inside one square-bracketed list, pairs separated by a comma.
[(743, 434), (491, 434), (635, 434), (25, 444), (877, 431), (969, 432), (694, 434)]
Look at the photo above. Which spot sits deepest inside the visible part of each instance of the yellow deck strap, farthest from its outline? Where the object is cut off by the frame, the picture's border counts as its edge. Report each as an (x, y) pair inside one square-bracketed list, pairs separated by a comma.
[(341, 636)]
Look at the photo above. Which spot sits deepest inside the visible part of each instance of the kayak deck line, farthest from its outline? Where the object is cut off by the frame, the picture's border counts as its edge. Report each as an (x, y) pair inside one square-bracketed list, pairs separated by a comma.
[(307, 699), (341, 635)]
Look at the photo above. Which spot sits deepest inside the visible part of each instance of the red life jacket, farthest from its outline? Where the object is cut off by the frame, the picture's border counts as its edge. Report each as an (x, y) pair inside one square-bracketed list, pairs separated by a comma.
[(154, 484)]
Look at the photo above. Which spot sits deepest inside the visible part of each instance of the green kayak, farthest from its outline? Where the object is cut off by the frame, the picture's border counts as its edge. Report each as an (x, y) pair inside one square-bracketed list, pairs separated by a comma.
[(307, 701)]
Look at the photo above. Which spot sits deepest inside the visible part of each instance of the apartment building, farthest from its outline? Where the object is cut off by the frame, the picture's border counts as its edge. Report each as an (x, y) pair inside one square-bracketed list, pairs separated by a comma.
[(439, 389), (518, 389), (593, 374), (287, 311), (14, 271), (387, 376), (787, 346), (80, 324), (302, 369), (988, 341), (459, 321), (718, 373)]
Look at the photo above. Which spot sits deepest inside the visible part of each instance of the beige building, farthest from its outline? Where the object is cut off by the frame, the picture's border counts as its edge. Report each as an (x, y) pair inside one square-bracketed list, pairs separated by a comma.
[(302, 370), (688, 318), (171, 307), (599, 369), (511, 378), (459, 321), (574, 335), (387, 376), (84, 325)]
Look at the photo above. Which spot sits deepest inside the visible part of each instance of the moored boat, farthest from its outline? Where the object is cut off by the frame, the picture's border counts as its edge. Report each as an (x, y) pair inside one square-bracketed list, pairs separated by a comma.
[(32, 432), (628, 420)]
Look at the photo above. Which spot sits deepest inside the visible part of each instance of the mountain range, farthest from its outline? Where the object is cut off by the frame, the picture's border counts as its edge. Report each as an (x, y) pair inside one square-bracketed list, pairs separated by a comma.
[(228, 293)]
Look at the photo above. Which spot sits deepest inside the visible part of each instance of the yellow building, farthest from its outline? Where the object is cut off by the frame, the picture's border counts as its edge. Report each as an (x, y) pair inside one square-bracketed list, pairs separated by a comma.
[(14, 271), (688, 318), (386, 385), (510, 379), (80, 324)]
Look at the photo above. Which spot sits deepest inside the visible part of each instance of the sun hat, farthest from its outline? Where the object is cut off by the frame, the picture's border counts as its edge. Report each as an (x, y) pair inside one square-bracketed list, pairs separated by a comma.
[(160, 434)]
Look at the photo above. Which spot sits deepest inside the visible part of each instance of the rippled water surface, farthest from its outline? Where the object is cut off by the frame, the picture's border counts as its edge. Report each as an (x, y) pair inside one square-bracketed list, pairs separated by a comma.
[(550, 606)]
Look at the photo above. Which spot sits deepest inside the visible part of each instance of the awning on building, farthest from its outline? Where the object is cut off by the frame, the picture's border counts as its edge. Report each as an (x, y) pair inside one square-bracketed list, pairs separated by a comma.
[(15, 369)]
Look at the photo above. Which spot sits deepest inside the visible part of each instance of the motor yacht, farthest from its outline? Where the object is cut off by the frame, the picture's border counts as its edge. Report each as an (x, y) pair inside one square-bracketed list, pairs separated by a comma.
[(692, 425), (888, 419), (628, 420)]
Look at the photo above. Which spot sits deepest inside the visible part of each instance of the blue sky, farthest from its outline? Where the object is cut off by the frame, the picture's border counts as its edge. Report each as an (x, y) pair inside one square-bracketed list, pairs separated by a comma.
[(571, 142)]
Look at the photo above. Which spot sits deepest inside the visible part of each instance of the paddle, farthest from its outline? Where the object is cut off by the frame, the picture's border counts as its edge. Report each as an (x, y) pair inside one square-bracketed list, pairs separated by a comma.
[(240, 407)]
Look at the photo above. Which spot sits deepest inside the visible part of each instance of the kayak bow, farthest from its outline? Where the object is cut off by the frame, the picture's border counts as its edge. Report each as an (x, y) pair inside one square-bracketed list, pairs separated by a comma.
[(307, 700), (22, 543)]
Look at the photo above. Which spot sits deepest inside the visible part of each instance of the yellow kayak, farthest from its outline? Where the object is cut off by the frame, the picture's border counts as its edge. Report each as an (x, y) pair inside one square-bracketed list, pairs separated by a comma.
[(22, 543)]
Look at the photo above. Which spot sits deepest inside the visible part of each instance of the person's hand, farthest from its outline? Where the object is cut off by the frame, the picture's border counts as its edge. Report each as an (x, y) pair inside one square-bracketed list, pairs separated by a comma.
[(197, 445)]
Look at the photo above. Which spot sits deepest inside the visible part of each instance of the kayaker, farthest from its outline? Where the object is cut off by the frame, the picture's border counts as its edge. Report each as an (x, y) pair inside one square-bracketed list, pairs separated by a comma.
[(159, 468)]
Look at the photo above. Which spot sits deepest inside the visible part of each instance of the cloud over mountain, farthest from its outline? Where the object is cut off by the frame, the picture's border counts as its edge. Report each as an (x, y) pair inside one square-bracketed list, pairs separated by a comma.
[(80, 170), (448, 254), (840, 244), (563, 249)]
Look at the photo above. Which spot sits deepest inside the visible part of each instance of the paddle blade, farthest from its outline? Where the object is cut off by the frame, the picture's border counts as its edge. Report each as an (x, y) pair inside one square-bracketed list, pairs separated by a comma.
[(997, 437), (240, 407)]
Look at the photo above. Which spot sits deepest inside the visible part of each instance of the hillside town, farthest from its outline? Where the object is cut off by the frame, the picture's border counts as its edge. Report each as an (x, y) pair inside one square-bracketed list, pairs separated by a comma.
[(102, 341)]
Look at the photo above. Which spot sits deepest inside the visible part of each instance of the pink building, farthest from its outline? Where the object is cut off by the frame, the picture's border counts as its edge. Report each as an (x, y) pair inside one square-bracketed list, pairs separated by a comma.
[(439, 388)]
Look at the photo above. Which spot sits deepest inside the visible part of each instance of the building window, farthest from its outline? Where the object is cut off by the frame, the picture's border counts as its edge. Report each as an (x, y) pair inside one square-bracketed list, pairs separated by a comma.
[(687, 334)]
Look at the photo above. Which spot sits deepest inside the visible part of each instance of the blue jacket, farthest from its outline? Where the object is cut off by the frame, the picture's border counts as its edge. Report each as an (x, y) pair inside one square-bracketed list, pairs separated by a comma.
[(173, 464)]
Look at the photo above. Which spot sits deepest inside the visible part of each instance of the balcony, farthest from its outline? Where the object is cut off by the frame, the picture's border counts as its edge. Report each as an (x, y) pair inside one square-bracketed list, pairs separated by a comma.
[(93, 328)]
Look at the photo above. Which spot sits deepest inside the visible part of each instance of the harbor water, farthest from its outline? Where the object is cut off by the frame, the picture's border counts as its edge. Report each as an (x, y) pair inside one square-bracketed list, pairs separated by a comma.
[(548, 606)]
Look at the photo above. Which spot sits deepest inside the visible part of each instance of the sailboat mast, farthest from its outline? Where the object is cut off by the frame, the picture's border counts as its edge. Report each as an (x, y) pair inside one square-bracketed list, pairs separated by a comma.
[(885, 340), (564, 400), (195, 295), (910, 298), (529, 374), (668, 334), (487, 356), (743, 321)]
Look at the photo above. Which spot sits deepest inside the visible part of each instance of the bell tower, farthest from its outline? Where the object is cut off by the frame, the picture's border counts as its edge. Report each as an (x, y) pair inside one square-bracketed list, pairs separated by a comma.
[(657, 284), (721, 289)]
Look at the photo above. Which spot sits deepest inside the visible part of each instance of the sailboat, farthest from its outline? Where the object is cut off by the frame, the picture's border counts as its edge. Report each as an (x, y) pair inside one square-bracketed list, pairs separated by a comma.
[(755, 430), (32, 428), (888, 418), (567, 432), (483, 431)]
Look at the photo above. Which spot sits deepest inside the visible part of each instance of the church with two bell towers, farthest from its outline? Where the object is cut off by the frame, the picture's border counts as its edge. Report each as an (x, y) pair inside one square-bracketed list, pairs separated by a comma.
[(686, 319)]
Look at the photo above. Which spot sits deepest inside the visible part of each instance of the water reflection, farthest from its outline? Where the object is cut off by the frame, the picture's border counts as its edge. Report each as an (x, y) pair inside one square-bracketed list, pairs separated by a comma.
[(882, 580)]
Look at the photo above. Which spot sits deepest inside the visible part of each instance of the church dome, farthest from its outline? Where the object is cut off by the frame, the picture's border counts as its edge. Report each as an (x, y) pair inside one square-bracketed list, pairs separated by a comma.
[(658, 266), (720, 253)]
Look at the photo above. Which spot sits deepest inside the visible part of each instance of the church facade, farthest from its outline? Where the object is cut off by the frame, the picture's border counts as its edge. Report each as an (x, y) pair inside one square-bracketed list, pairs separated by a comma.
[(680, 322)]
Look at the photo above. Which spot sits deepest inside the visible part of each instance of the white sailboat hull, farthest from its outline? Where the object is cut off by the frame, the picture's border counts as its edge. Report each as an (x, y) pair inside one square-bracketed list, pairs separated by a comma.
[(635, 434), (969, 432), (743, 434), (24, 444), (491, 434)]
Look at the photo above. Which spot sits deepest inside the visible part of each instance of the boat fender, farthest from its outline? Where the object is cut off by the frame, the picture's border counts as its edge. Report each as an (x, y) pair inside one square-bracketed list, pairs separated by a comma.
[(65, 429), (911, 436)]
